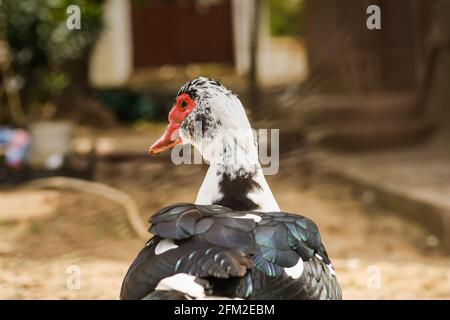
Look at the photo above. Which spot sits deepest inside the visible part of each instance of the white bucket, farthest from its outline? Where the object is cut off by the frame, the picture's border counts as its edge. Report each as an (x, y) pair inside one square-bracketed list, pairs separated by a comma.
[(50, 143)]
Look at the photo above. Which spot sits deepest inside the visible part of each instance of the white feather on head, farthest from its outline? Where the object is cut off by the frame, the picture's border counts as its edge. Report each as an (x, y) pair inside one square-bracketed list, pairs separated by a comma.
[(229, 139)]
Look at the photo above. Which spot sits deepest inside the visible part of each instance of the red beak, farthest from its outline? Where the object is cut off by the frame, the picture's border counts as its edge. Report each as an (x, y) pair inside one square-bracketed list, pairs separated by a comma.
[(171, 135), (169, 139)]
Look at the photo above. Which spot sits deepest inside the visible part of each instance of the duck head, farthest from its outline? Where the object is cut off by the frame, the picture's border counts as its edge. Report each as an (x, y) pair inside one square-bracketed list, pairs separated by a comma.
[(212, 119)]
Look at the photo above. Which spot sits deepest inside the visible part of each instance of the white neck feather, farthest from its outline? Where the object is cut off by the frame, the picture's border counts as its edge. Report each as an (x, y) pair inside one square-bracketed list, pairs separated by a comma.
[(209, 191), (237, 162)]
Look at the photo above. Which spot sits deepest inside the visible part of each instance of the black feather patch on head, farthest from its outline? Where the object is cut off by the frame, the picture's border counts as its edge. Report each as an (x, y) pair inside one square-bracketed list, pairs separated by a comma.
[(205, 122), (203, 88)]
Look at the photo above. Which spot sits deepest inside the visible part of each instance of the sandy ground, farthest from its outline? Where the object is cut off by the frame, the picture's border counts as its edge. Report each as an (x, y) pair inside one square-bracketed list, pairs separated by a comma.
[(69, 245)]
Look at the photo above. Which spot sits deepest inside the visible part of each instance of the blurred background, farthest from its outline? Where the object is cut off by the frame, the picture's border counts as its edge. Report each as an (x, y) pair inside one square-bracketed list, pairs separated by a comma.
[(364, 119)]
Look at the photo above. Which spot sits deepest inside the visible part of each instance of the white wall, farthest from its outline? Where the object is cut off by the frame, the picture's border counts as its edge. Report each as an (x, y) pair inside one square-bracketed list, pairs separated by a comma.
[(111, 63)]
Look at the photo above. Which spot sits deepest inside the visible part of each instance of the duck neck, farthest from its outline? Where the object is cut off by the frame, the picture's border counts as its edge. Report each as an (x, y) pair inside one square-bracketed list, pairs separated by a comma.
[(239, 185)]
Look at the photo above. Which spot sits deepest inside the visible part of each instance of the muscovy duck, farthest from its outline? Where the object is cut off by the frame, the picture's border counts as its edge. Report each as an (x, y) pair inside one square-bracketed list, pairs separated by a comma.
[(234, 242)]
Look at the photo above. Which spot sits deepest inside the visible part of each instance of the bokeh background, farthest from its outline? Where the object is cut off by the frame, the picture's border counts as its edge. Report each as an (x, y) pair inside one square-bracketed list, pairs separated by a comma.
[(364, 119)]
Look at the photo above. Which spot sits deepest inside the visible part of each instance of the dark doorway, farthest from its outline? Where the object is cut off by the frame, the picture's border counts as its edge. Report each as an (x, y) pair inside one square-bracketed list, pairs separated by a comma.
[(179, 32)]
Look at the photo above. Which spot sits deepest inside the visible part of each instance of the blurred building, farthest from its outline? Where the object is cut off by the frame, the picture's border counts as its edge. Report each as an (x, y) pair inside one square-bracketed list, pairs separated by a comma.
[(364, 88), (151, 34)]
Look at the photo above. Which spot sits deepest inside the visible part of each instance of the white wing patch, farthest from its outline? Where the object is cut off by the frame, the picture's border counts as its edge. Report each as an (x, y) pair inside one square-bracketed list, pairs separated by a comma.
[(296, 271), (165, 245), (329, 266), (331, 269), (254, 217), (182, 282)]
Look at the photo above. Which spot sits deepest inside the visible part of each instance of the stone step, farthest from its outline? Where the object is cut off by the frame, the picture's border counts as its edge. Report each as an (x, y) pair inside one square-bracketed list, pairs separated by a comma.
[(412, 182)]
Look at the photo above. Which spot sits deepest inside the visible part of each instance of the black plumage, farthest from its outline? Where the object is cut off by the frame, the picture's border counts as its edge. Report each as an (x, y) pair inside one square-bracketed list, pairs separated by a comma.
[(233, 255), (234, 192)]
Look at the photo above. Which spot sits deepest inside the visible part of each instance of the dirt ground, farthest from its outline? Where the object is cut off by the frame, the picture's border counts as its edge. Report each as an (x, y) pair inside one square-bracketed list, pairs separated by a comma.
[(45, 235)]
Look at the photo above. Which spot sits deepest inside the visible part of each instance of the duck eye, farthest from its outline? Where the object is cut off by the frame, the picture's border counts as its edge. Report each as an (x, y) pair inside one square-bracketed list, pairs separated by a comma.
[(183, 104)]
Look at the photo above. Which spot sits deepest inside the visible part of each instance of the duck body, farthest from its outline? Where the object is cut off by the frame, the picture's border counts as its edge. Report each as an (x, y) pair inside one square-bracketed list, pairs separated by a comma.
[(234, 254)]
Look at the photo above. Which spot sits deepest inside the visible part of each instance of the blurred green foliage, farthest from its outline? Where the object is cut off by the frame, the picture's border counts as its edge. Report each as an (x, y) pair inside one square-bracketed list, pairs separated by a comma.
[(129, 106), (41, 43), (286, 17)]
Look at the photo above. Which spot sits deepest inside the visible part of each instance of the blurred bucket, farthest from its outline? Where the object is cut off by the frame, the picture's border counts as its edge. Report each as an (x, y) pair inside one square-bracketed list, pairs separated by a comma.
[(50, 144)]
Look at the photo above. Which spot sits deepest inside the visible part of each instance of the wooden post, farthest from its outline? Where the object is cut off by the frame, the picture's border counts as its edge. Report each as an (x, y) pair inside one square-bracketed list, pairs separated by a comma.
[(254, 50)]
